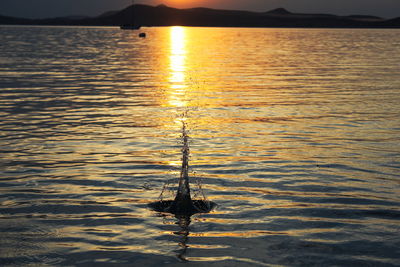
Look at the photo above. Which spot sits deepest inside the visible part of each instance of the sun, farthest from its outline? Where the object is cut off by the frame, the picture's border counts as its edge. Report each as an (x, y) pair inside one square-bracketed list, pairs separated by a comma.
[(184, 3)]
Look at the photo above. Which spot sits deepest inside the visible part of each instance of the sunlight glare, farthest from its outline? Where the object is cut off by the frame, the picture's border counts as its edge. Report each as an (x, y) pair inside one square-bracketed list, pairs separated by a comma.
[(177, 67)]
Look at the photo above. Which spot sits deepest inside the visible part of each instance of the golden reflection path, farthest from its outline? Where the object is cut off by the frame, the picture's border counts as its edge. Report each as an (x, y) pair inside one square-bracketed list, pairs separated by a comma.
[(178, 97), (177, 66)]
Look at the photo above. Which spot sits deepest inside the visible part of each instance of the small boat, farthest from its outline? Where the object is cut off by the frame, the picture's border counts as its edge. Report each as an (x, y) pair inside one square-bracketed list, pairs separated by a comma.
[(133, 25), (130, 27), (142, 35)]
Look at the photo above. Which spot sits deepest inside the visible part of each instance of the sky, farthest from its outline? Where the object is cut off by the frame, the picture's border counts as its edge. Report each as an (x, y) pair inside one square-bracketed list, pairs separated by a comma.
[(54, 8)]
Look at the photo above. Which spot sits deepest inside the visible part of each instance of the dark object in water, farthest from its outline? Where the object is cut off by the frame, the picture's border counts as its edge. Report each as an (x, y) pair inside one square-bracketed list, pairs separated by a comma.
[(183, 203), (142, 35), (174, 207), (130, 27)]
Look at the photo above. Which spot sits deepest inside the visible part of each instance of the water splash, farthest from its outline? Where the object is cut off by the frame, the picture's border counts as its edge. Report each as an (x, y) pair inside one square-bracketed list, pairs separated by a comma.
[(183, 204)]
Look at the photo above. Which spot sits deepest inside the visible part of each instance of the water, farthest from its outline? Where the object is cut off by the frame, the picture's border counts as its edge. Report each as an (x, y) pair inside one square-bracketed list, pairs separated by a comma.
[(294, 133)]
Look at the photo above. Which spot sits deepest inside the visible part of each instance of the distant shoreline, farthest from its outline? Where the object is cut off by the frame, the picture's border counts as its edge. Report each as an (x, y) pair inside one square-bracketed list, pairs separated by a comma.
[(150, 16), (227, 27)]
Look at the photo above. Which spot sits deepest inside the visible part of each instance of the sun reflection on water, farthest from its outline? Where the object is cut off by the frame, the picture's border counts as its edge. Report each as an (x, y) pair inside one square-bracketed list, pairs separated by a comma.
[(177, 67)]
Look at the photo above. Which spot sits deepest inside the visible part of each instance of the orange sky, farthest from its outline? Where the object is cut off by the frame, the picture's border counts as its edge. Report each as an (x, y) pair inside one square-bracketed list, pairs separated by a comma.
[(194, 3)]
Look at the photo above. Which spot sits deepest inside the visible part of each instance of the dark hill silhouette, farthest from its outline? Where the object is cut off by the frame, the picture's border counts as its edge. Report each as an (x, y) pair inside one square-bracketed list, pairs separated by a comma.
[(365, 17), (395, 21), (13, 20), (278, 11), (167, 16)]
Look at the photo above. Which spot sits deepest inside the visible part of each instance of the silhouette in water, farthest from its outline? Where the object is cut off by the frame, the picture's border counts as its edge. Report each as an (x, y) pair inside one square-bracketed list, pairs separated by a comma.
[(183, 222), (183, 204)]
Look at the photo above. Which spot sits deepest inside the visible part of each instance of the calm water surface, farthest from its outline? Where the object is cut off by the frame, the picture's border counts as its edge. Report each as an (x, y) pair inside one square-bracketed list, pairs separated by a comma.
[(294, 133)]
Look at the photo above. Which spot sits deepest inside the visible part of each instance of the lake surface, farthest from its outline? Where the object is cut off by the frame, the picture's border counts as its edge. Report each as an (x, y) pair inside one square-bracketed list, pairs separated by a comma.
[(294, 133)]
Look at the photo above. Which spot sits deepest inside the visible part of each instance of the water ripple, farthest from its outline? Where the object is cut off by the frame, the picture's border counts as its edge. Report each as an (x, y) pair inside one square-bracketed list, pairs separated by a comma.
[(293, 133)]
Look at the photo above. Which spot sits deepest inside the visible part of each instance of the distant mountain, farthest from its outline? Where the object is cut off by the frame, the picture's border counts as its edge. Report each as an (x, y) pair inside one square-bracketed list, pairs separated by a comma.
[(12, 20), (364, 17), (278, 11), (166, 16), (109, 13), (75, 17)]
